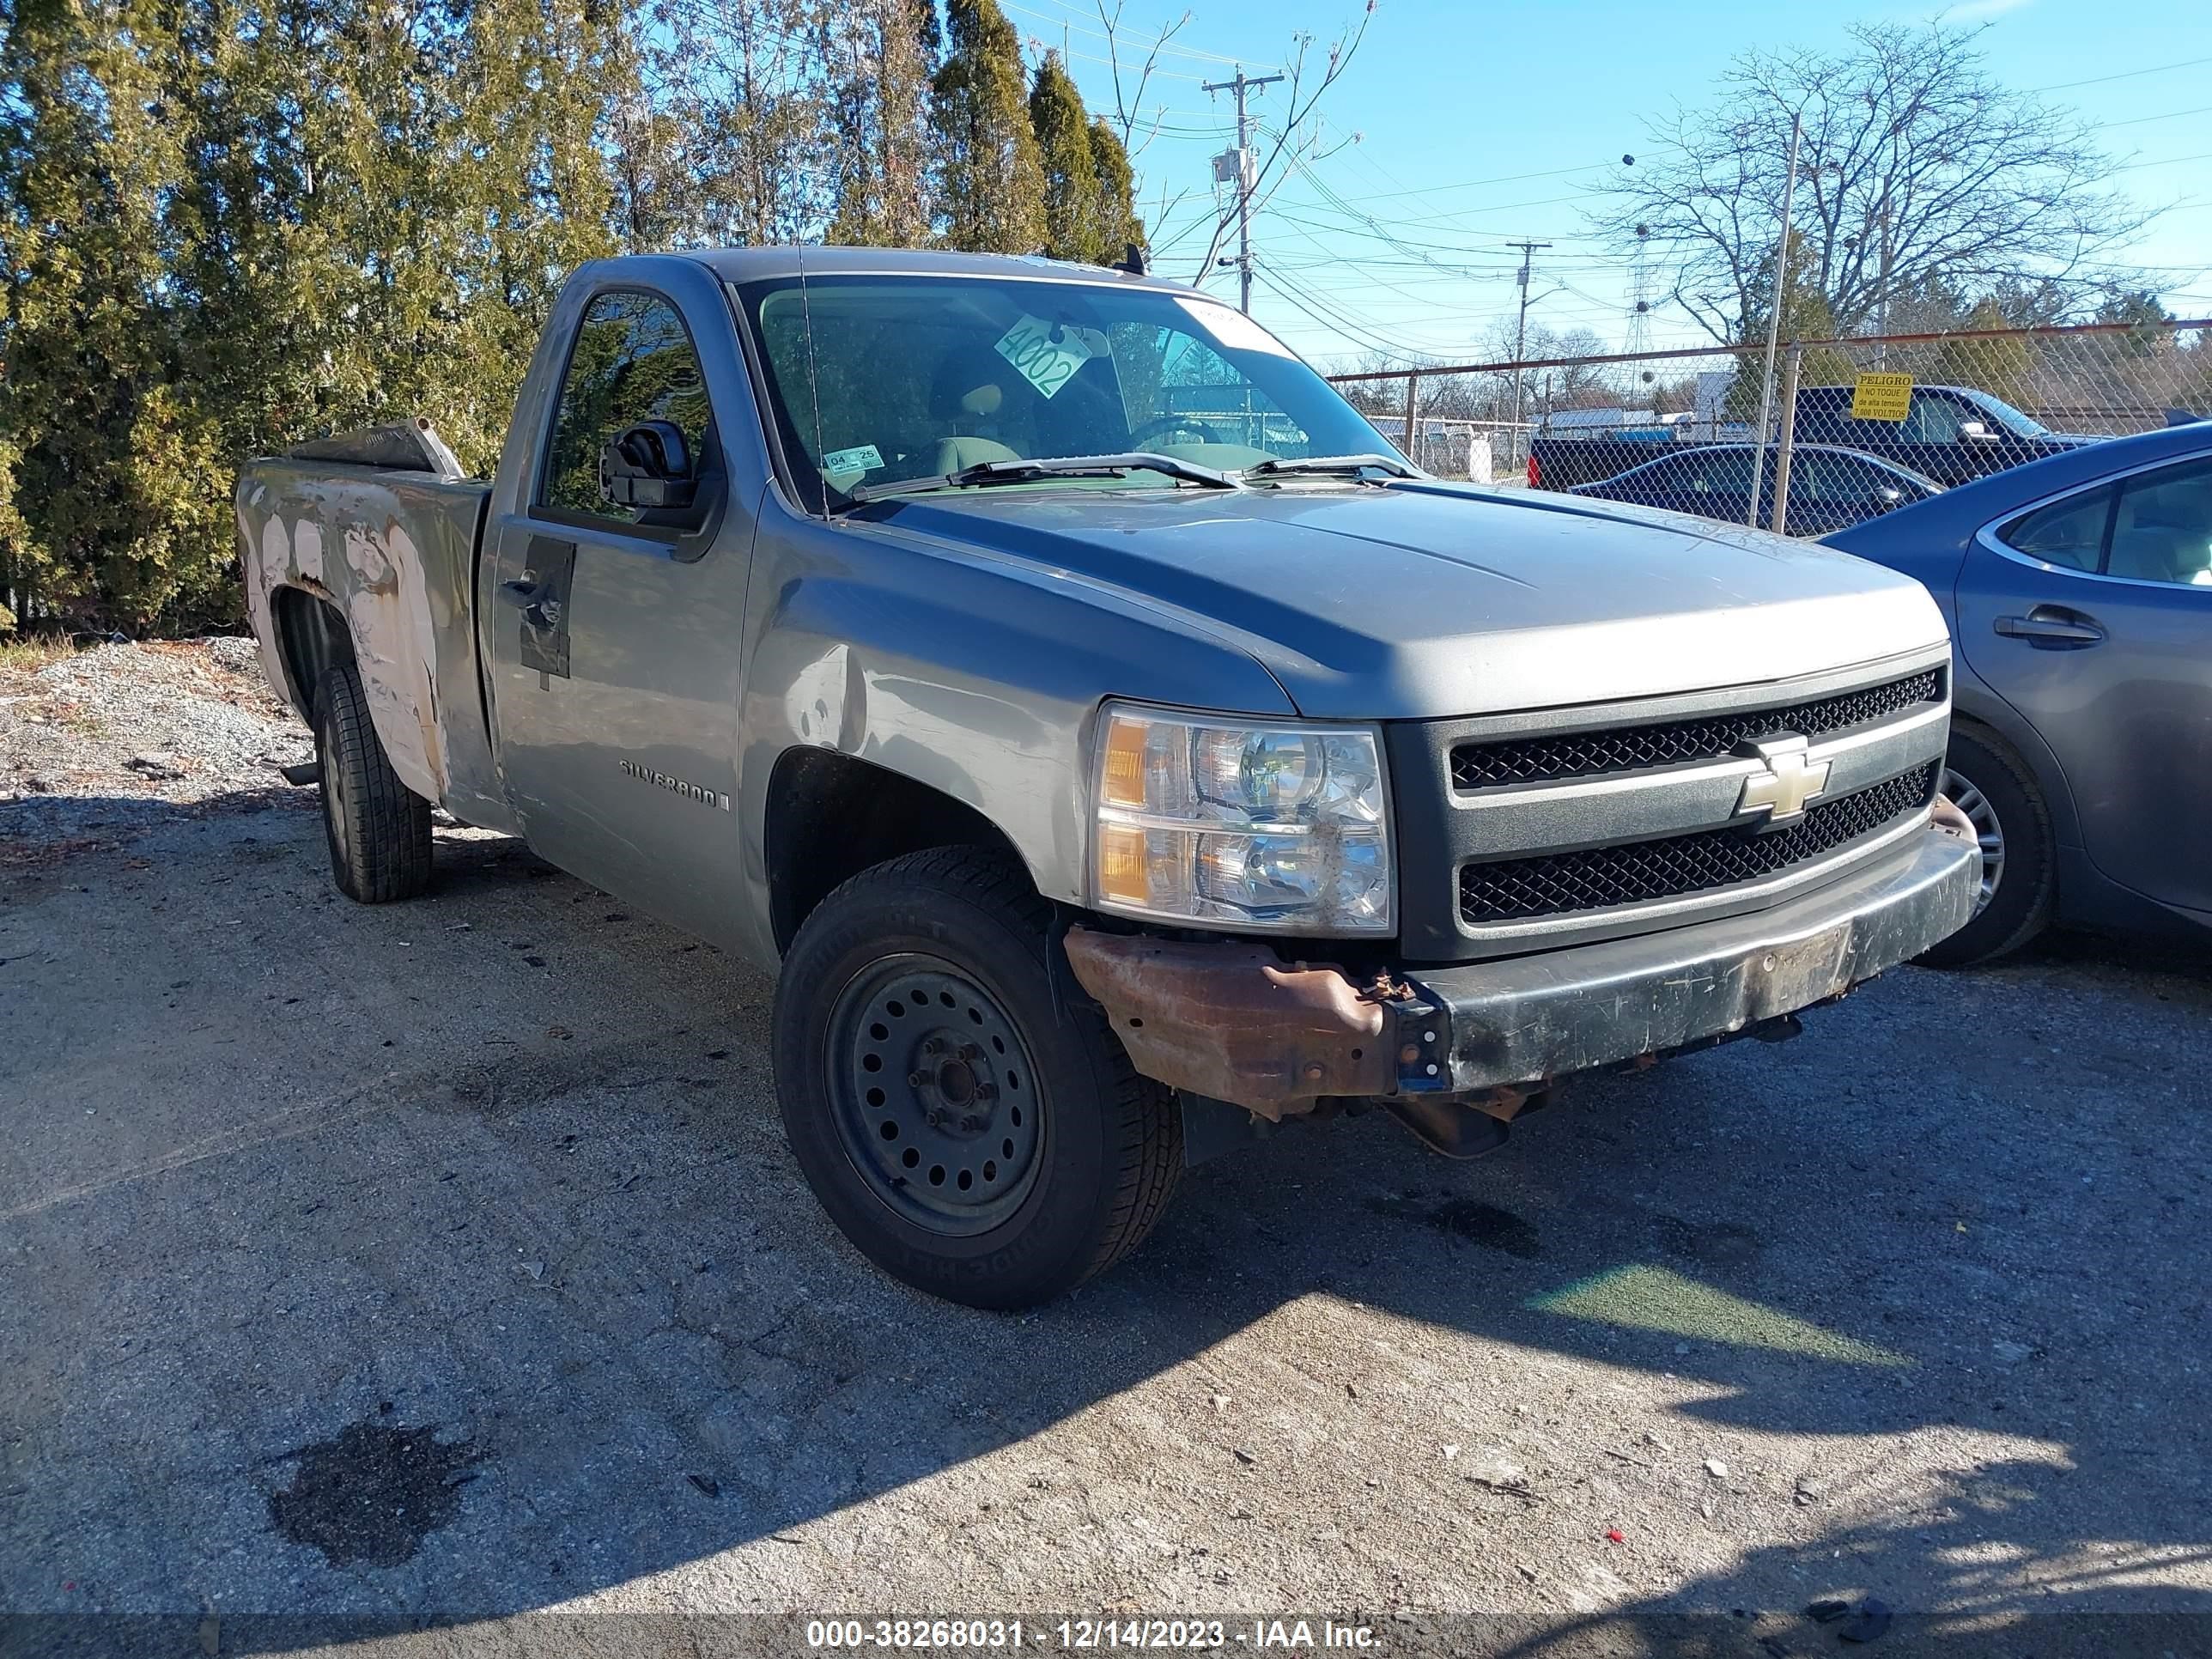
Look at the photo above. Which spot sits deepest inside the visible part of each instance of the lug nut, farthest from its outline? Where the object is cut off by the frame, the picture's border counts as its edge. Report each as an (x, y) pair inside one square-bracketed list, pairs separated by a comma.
[(971, 1123), (969, 1051), (915, 1079)]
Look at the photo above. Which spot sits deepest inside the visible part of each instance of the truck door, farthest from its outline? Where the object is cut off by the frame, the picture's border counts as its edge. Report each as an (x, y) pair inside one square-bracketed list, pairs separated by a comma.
[(2092, 615), (615, 629)]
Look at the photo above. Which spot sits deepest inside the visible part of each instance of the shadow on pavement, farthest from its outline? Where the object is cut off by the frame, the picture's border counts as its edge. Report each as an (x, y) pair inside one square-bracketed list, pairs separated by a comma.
[(478, 1271)]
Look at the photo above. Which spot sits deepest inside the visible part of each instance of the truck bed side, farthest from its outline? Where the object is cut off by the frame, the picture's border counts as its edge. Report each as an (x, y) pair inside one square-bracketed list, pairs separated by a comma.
[(390, 557)]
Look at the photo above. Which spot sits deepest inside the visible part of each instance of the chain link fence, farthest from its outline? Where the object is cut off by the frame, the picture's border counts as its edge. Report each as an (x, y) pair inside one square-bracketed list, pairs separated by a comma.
[(1853, 427)]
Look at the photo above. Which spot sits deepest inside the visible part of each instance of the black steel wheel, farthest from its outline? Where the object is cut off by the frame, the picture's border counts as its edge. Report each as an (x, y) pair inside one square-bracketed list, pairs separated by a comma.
[(928, 1081), (965, 1117)]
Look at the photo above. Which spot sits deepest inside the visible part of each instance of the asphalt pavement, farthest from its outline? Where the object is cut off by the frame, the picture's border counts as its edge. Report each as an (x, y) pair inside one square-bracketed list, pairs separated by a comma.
[(441, 1264)]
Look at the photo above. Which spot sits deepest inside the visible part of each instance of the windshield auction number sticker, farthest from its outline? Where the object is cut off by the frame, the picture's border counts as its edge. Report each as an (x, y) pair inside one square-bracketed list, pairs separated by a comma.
[(1046, 363)]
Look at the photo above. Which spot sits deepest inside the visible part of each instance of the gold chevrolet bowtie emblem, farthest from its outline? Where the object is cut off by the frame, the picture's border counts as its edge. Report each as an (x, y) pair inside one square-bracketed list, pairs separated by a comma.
[(1787, 781)]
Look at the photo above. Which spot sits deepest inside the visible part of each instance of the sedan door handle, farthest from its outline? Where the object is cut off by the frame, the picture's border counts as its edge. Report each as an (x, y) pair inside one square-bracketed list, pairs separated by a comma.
[(2049, 625)]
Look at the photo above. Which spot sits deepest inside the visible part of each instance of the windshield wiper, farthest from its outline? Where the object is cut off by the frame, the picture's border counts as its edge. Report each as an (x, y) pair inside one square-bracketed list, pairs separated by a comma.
[(985, 473), (1330, 466)]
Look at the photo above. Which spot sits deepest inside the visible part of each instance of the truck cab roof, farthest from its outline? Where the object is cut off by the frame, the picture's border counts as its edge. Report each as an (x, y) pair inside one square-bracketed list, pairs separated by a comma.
[(748, 264)]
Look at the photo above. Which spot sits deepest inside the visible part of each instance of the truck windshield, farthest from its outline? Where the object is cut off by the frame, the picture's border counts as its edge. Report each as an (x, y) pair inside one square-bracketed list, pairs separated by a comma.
[(877, 379)]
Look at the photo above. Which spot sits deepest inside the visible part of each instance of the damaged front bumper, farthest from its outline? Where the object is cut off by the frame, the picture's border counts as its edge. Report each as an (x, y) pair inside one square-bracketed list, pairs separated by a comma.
[(1229, 1022)]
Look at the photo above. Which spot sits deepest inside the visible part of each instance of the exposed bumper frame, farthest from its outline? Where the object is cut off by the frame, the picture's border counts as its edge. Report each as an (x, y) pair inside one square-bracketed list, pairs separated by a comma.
[(1230, 1021)]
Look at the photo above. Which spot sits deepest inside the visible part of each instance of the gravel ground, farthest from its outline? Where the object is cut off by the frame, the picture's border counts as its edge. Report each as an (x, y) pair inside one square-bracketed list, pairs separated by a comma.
[(442, 1264), (93, 745)]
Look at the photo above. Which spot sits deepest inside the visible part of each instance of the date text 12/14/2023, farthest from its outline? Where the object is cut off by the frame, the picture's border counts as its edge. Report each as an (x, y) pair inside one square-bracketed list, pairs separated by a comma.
[(1086, 1635)]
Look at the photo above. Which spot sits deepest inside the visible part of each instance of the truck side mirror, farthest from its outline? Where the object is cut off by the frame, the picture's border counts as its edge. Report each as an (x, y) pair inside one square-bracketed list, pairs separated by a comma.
[(649, 466), (1976, 431)]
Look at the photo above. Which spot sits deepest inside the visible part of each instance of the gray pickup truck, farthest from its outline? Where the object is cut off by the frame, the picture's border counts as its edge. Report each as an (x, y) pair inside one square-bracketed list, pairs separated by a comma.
[(1114, 753)]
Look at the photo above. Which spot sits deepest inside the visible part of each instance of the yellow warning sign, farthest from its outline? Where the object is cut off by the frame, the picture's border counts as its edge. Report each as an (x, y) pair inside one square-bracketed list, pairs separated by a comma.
[(1881, 396)]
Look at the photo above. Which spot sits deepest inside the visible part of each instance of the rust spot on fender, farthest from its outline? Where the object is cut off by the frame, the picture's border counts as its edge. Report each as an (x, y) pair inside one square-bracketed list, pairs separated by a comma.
[(1231, 1020)]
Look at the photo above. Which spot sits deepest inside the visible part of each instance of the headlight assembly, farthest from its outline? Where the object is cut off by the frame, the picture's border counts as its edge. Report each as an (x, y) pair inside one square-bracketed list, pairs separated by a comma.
[(1241, 824)]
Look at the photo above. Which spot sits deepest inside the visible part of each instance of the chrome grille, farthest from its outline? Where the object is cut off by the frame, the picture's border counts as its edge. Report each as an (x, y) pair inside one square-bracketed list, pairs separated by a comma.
[(1642, 872), (1671, 743)]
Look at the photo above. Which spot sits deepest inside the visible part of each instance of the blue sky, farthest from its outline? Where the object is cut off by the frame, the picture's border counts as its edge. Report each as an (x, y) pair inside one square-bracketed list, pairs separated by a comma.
[(1472, 116)]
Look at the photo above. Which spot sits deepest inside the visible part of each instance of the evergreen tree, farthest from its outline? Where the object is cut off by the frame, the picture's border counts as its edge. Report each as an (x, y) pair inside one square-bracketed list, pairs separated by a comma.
[(1115, 203), (116, 487), (2000, 368), (1073, 223), (1804, 316), (990, 180), (228, 225), (884, 59)]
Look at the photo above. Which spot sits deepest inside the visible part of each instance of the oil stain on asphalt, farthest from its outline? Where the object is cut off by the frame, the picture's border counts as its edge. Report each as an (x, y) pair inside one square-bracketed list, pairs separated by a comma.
[(1463, 1218), (374, 1493)]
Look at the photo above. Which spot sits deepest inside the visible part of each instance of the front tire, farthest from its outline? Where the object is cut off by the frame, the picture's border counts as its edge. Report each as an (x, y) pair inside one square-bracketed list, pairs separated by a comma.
[(379, 829), (976, 1131), (1991, 785)]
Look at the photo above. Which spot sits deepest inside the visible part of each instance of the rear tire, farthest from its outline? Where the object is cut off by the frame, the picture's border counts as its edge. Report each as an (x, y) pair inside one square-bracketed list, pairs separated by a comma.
[(1990, 784), (379, 829), (977, 1132)]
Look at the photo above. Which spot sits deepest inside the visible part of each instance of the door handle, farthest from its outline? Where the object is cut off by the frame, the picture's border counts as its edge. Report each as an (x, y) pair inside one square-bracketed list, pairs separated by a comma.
[(2050, 626), (538, 608)]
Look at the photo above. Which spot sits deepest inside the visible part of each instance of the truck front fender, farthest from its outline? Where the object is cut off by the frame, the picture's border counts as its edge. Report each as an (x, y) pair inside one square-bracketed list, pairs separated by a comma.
[(976, 677)]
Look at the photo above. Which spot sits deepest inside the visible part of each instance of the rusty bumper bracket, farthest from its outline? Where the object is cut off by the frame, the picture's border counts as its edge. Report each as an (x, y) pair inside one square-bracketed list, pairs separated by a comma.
[(1233, 1021)]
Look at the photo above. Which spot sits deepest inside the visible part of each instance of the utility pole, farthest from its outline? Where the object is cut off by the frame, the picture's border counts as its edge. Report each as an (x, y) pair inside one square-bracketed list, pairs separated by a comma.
[(1882, 289), (1520, 341), (1774, 323), (1240, 161)]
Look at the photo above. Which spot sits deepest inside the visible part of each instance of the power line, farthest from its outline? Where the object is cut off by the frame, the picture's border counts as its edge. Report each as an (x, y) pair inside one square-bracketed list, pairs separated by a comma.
[(2124, 74), (2170, 115), (1314, 310)]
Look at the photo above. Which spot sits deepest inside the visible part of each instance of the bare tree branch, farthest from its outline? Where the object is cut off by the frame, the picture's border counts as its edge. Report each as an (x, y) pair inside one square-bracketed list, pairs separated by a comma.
[(1126, 108), (1919, 172), (1294, 136)]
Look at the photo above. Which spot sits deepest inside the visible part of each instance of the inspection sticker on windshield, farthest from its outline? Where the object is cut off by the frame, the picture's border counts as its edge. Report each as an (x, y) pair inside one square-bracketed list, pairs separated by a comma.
[(1046, 363), (865, 458)]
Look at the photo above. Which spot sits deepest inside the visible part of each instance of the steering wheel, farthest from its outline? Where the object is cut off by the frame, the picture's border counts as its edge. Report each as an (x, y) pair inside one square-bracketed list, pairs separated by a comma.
[(1164, 423)]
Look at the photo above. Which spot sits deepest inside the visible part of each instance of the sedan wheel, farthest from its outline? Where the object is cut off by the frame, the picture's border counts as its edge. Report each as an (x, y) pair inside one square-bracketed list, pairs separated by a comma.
[(1987, 831), (1987, 781)]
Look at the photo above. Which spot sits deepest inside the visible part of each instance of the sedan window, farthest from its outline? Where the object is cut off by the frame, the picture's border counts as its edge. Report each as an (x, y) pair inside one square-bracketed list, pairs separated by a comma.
[(2162, 530), (1832, 478), (1723, 472), (2069, 532)]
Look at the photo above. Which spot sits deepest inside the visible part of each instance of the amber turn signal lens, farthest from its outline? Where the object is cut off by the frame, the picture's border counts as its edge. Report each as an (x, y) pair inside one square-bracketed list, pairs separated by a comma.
[(1124, 781), (1122, 875)]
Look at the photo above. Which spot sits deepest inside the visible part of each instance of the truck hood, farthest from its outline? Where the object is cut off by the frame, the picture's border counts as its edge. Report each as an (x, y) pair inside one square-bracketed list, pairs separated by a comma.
[(1425, 601)]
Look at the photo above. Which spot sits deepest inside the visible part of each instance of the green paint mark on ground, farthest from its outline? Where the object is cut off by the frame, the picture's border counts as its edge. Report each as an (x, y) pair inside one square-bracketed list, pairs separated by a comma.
[(1648, 1298)]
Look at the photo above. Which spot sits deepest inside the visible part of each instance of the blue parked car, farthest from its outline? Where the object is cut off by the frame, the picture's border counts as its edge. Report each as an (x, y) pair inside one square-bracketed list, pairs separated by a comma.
[(2079, 592), (1830, 488)]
